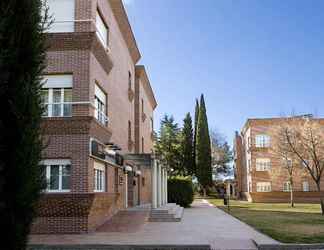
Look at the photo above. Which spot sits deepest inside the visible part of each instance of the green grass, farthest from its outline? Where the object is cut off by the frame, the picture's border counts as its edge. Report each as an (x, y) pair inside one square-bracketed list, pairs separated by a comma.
[(301, 224)]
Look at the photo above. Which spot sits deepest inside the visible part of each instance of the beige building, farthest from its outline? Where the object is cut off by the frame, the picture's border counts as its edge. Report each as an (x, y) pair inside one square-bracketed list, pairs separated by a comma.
[(259, 172)]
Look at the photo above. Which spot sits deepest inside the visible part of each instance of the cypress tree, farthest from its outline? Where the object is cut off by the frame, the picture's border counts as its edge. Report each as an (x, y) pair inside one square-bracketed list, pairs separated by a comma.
[(195, 135), (203, 149), (22, 54), (188, 160)]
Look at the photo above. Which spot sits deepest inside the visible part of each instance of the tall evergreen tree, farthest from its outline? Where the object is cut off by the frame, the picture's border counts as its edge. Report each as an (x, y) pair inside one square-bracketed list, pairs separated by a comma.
[(22, 54), (168, 145), (203, 148), (195, 134), (188, 161)]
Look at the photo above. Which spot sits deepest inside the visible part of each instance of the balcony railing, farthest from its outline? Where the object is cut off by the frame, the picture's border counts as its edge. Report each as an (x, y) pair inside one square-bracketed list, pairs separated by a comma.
[(69, 26), (65, 110)]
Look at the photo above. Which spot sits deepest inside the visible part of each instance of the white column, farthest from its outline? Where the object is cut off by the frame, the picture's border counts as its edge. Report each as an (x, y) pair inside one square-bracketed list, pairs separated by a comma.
[(126, 191), (163, 187), (166, 186), (154, 184), (159, 185)]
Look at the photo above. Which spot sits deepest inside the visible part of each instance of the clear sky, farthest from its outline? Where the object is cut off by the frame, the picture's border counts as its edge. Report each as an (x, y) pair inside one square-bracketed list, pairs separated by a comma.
[(250, 58)]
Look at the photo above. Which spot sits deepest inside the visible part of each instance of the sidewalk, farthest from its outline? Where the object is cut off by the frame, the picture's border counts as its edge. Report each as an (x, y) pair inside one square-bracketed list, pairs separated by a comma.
[(201, 224)]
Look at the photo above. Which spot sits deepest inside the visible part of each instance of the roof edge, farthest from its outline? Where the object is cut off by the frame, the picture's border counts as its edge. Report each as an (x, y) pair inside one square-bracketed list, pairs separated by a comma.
[(140, 72)]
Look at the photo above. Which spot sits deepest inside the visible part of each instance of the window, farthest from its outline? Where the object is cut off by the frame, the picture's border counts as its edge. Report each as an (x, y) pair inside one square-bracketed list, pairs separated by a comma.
[(57, 174), (129, 80), (142, 106), (142, 144), (305, 186), (129, 130), (57, 95), (152, 124), (287, 186), (263, 187), (99, 177), (143, 181), (102, 30), (249, 165), (63, 15), (263, 164), (262, 141), (100, 105)]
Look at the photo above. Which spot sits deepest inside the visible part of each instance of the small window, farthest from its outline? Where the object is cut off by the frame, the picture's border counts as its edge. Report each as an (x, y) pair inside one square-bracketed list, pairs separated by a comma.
[(129, 80), (152, 124), (62, 12), (287, 186), (57, 174), (100, 100), (99, 177), (263, 187), (143, 181), (305, 186), (129, 130), (56, 96), (142, 106), (262, 141), (101, 30), (142, 144), (263, 164)]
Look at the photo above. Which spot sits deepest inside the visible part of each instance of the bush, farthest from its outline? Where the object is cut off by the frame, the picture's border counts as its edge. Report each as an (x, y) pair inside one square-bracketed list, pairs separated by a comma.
[(180, 191)]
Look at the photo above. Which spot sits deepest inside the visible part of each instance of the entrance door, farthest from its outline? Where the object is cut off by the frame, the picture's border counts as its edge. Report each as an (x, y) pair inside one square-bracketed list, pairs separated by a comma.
[(130, 189)]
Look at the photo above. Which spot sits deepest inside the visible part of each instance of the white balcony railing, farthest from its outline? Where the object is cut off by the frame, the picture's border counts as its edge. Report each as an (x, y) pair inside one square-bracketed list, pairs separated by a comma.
[(65, 110)]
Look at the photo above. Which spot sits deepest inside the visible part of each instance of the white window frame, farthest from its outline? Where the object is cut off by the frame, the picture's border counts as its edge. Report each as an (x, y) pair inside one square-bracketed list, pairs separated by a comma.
[(262, 164), (286, 186), (263, 187), (61, 163), (57, 82), (303, 186), (99, 184), (102, 30), (100, 103), (262, 141)]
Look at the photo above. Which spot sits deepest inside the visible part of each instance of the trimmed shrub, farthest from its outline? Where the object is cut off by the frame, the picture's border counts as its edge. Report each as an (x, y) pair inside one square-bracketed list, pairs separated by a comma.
[(180, 191)]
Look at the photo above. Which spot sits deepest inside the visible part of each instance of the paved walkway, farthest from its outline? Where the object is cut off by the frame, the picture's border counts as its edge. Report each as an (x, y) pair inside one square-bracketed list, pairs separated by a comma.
[(201, 224)]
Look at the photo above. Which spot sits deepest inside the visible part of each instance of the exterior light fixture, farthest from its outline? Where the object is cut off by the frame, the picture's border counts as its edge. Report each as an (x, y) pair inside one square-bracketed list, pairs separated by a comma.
[(127, 169)]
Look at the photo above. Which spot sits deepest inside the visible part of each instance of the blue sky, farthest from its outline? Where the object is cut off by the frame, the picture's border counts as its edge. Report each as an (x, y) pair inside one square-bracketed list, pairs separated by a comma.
[(250, 58)]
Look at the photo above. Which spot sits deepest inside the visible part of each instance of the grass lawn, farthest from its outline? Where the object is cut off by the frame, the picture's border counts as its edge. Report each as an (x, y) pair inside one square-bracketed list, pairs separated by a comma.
[(301, 224)]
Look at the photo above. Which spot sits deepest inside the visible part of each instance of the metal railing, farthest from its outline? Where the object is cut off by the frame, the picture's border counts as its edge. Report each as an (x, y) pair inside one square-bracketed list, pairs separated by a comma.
[(64, 109)]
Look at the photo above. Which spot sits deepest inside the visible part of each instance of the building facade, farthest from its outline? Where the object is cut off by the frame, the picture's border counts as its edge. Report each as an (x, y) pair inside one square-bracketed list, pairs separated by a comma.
[(259, 172), (98, 121)]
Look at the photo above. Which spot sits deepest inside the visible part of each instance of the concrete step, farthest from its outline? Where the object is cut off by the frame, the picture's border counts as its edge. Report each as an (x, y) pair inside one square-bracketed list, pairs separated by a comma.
[(167, 213)]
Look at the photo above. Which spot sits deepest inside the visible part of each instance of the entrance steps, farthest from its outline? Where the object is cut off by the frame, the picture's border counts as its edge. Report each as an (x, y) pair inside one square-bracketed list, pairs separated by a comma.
[(170, 212)]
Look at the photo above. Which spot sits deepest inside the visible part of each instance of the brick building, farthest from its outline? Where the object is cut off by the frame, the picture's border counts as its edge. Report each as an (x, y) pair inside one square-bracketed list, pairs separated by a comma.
[(259, 174), (98, 119)]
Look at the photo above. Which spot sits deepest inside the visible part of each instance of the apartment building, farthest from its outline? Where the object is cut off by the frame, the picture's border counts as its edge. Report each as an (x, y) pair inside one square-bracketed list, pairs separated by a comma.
[(259, 174), (98, 120)]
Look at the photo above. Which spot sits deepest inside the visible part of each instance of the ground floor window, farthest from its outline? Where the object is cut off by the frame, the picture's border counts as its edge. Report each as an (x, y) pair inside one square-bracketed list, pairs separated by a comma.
[(263, 187), (99, 177), (57, 173), (305, 186), (287, 187)]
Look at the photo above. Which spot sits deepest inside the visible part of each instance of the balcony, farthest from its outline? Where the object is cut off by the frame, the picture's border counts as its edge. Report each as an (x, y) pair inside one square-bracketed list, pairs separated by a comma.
[(79, 35), (131, 95)]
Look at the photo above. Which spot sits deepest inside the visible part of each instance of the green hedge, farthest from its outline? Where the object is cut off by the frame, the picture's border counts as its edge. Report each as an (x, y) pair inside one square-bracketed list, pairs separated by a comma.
[(180, 191)]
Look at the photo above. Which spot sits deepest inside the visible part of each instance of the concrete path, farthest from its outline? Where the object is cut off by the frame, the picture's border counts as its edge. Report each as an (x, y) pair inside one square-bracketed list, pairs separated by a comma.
[(201, 224)]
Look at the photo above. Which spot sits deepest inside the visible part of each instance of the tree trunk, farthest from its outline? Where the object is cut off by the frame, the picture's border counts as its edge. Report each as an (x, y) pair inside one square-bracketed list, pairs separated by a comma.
[(292, 204), (318, 184)]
